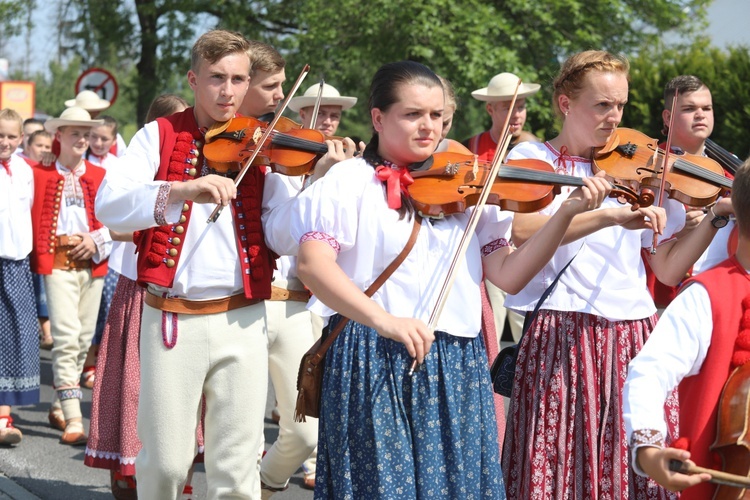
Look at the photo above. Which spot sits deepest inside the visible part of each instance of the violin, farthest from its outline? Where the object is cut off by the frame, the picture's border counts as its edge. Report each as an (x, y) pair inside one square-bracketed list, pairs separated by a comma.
[(291, 150), (454, 180), (633, 157), (727, 160), (732, 442)]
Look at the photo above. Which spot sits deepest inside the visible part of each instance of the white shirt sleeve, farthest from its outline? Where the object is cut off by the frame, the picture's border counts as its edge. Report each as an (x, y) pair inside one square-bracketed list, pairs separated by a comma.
[(676, 349)]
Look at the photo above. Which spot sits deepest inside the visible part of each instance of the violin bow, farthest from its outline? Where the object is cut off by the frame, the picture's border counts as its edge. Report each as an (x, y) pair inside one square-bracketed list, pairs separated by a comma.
[(259, 143), (316, 108), (667, 151), (463, 245), (717, 476)]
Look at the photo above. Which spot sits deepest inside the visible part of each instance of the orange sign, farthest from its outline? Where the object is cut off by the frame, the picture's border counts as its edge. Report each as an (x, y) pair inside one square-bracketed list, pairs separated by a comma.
[(18, 96)]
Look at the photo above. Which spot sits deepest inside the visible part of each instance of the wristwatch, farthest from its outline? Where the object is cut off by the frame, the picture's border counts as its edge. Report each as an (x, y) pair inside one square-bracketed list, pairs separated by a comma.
[(718, 221)]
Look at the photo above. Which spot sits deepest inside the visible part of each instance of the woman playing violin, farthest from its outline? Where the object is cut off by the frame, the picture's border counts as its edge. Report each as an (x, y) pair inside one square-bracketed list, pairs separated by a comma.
[(706, 321), (565, 434), (384, 433)]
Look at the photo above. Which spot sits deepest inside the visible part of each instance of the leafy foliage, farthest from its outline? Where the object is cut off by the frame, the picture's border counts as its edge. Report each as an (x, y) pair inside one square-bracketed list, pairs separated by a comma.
[(726, 73)]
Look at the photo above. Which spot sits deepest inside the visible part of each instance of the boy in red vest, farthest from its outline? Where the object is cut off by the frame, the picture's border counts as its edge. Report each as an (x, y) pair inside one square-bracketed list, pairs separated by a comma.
[(70, 250), (202, 328), (692, 348)]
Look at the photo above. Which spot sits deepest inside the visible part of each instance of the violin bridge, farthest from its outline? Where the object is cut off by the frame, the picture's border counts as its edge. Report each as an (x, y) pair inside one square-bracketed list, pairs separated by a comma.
[(257, 135)]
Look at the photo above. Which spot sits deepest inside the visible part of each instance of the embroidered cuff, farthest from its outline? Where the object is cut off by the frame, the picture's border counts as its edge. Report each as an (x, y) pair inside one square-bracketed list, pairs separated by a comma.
[(70, 393), (161, 204), (318, 236), (99, 242), (494, 246), (640, 439)]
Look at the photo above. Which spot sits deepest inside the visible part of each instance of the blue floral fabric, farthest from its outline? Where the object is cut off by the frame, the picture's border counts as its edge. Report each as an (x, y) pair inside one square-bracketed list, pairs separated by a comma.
[(385, 434), (19, 335), (110, 282)]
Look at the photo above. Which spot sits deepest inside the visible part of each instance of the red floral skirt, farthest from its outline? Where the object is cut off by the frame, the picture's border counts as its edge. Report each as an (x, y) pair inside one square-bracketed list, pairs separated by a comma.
[(565, 436)]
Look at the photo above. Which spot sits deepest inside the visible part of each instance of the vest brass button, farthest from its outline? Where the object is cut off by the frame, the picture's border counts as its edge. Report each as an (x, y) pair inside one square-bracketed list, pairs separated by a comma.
[(170, 263), (179, 230), (192, 172), (173, 252), (182, 218), (176, 240), (185, 207)]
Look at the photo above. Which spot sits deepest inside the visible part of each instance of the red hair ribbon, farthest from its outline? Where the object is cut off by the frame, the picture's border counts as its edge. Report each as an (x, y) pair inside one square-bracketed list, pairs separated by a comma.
[(397, 181)]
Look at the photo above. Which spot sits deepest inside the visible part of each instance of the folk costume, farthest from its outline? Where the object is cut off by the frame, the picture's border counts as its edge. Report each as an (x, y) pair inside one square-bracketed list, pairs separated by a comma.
[(19, 329), (705, 320), (383, 433), (110, 280), (202, 329), (565, 437), (290, 335), (64, 206), (113, 439)]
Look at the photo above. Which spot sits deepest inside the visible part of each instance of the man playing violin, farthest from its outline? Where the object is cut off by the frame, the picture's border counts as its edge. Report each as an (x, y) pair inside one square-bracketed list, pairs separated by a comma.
[(289, 324), (692, 125), (706, 320), (203, 329)]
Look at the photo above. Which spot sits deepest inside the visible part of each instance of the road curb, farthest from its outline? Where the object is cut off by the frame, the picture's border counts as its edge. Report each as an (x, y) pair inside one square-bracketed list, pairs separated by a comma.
[(12, 490)]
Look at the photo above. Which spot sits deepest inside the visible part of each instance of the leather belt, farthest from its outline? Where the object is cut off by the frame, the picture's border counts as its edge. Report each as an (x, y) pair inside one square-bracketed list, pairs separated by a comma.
[(63, 245), (211, 306), (284, 294)]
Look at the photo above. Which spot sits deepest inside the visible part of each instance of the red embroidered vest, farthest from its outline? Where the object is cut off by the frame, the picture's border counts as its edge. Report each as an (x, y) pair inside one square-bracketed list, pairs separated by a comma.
[(48, 193), (160, 248), (727, 284)]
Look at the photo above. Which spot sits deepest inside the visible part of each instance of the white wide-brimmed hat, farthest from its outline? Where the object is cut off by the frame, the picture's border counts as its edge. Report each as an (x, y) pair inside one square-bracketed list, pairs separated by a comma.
[(502, 87), (73, 116), (330, 97), (88, 100)]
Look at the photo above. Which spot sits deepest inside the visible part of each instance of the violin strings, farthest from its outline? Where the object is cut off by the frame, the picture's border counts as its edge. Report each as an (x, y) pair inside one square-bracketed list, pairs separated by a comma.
[(702, 173), (298, 143)]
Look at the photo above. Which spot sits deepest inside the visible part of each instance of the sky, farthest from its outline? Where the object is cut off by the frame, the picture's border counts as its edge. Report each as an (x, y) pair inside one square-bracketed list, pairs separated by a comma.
[(727, 26)]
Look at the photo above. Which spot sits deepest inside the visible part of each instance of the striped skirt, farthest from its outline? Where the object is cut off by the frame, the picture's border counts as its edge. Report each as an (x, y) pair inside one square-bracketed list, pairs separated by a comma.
[(565, 437), (19, 335), (384, 434)]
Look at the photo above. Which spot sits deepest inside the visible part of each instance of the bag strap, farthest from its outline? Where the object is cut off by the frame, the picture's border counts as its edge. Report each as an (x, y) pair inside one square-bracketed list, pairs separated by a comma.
[(328, 341), (531, 317)]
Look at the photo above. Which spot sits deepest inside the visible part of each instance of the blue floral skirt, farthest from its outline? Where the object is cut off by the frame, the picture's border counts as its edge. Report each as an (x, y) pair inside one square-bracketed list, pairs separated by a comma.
[(19, 335), (385, 434)]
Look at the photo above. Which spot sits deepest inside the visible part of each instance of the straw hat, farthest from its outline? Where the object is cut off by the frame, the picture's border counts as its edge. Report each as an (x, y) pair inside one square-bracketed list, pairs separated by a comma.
[(88, 100), (502, 87), (73, 116), (330, 97)]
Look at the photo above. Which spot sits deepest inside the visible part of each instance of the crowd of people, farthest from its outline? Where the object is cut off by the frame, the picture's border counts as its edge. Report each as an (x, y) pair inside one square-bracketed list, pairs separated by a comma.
[(175, 284)]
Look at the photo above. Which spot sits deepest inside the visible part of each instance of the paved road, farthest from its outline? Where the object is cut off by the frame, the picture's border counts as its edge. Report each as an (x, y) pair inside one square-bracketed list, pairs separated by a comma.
[(40, 467)]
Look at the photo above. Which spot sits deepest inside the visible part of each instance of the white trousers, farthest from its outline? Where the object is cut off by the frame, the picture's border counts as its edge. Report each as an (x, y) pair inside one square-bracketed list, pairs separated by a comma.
[(73, 302), (224, 357), (290, 335)]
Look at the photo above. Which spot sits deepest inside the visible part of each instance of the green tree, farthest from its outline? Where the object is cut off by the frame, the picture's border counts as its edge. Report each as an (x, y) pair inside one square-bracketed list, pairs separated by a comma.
[(725, 72), (469, 41)]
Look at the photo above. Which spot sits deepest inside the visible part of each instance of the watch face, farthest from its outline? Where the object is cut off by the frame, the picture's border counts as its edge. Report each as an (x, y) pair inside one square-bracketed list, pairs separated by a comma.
[(719, 222)]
